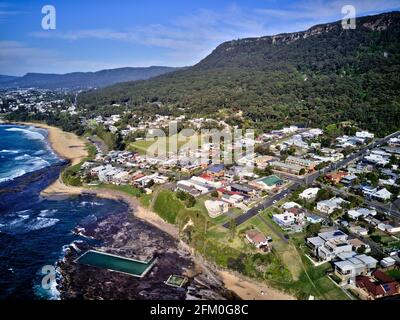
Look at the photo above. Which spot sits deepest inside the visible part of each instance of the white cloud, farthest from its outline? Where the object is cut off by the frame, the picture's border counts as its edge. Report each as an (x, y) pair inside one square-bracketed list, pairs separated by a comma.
[(8, 10), (187, 39), (16, 58), (302, 15)]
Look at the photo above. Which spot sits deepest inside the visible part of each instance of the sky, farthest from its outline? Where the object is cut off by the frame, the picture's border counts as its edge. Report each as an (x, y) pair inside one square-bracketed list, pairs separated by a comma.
[(92, 35)]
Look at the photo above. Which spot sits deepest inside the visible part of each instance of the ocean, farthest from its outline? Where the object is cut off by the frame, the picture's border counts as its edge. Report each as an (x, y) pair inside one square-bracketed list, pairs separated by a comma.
[(34, 231)]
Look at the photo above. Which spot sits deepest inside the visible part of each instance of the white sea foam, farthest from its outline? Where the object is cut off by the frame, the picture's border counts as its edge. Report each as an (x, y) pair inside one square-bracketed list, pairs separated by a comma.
[(29, 133), (10, 151), (13, 174), (47, 213), (91, 203), (27, 164), (41, 223)]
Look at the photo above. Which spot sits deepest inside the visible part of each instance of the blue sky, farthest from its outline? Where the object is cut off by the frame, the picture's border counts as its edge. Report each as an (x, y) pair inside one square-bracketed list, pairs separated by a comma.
[(97, 34)]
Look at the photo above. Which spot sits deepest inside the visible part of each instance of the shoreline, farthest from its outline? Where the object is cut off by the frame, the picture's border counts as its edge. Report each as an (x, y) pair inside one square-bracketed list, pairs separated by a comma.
[(66, 145), (70, 147)]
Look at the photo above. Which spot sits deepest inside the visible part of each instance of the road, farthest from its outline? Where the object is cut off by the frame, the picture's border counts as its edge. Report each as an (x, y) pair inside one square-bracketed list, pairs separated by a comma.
[(310, 179)]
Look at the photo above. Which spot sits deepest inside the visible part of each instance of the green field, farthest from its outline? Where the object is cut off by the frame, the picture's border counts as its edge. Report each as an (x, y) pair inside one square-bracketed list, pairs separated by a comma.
[(142, 146)]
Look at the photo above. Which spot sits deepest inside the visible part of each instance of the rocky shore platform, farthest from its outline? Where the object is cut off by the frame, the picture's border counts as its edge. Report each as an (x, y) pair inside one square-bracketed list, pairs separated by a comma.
[(128, 236)]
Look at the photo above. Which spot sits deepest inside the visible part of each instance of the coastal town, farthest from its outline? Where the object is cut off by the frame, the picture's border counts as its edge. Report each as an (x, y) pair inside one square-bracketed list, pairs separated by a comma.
[(306, 200)]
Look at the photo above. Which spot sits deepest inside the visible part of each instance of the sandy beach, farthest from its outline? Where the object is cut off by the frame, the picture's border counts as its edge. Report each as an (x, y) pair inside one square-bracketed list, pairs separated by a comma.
[(73, 148), (250, 290)]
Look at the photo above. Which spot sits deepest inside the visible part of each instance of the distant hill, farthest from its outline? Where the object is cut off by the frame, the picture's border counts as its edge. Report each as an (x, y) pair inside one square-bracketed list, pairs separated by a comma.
[(4, 78), (83, 80), (319, 76)]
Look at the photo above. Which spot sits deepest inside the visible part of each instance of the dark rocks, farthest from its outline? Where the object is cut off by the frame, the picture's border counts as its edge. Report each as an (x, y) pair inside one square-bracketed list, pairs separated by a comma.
[(130, 237)]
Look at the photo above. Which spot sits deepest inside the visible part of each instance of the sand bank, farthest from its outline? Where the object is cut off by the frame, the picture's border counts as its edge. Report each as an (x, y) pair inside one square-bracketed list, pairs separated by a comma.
[(250, 290)]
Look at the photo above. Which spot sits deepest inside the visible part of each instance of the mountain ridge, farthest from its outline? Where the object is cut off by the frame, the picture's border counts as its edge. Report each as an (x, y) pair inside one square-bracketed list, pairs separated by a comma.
[(326, 77), (84, 80)]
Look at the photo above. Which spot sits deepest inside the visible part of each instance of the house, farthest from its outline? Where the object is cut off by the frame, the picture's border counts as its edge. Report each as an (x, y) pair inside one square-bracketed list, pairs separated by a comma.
[(216, 170), (352, 267), (285, 219), (382, 195), (232, 199), (286, 167), (263, 161), (216, 208), (183, 185), (241, 188), (328, 206), (348, 180), (313, 218), (364, 135), (361, 212), (387, 262), (291, 204), (257, 239), (359, 230), (267, 183), (357, 244), (378, 285), (327, 245), (309, 193), (96, 170), (121, 178), (309, 165), (389, 228), (336, 177)]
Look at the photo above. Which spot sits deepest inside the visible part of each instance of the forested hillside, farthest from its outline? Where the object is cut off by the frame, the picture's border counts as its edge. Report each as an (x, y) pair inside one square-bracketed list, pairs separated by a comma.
[(315, 77)]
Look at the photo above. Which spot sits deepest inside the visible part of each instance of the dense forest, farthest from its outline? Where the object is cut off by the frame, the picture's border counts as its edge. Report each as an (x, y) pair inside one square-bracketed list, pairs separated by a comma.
[(316, 77)]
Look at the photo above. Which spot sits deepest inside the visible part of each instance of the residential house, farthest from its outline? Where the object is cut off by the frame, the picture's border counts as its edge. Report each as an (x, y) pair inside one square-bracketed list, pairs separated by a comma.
[(359, 230), (267, 183), (216, 170), (286, 167), (336, 177), (309, 165), (313, 218), (387, 262), (389, 228), (327, 245), (216, 208), (243, 189), (378, 285), (351, 267), (284, 220), (328, 206), (361, 212), (349, 180), (357, 244), (257, 239), (263, 161), (309, 193)]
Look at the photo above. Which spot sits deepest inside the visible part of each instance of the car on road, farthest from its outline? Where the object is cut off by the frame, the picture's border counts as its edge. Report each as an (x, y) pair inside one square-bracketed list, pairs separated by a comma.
[(274, 201)]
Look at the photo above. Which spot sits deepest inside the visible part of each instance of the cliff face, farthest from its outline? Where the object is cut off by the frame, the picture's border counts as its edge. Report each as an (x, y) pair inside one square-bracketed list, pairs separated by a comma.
[(318, 76)]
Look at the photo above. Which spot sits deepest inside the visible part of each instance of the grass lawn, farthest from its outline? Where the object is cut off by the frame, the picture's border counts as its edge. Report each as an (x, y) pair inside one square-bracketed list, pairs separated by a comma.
[(395, 274), (143, 145), (131, 190), (167, 206)]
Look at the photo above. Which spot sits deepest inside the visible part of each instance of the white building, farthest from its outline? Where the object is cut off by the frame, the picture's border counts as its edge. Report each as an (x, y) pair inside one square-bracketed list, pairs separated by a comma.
[(364, 135), (216, 208), (309, 193), (328, 206)]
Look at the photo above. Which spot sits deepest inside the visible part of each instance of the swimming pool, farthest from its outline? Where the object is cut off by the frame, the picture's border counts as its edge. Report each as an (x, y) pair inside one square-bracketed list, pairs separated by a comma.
[(116, 263)]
